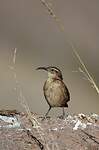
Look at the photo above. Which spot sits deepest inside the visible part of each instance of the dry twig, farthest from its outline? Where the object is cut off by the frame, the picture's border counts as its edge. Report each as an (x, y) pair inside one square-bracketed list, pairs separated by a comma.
[(93, 138), (20, 95), (36, 140), (61, 27)]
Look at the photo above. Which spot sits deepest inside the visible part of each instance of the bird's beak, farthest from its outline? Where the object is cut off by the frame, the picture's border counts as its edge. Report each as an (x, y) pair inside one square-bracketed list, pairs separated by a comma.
[(41, 68)]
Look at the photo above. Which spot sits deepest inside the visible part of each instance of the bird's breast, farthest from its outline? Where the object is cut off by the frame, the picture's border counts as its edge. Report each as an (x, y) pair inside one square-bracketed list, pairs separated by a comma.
[(54, 93)]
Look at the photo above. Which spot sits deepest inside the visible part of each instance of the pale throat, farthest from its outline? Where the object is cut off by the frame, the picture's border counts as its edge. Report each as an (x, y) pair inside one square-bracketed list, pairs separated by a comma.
[(52, 76)]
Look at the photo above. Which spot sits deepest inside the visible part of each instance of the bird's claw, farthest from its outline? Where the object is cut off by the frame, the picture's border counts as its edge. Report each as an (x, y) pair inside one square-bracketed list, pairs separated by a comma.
[(61, 117), (44, 117)]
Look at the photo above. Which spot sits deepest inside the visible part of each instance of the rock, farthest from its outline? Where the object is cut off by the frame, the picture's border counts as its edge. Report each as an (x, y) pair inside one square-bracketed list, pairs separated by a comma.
[(72, 133)]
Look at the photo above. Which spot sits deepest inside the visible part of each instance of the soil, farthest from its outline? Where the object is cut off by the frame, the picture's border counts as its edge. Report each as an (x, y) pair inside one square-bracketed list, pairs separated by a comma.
[(77, 132)]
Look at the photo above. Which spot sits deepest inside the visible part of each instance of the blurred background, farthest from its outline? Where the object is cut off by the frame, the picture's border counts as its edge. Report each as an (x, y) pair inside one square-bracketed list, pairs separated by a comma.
[(26, 25)]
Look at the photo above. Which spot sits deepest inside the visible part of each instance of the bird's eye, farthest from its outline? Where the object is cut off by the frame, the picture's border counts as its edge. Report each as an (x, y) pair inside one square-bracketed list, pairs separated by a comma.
[(52, 70), (56, 71)]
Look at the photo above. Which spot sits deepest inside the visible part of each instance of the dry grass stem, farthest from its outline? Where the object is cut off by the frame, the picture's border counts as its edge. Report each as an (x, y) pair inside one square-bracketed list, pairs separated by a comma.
[(51, 12), (14, 56), (61, 27), (85, 71), (20, 95)]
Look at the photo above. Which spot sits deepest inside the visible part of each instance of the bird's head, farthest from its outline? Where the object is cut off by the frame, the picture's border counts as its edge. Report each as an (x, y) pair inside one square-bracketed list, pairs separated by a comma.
[(53, 72)]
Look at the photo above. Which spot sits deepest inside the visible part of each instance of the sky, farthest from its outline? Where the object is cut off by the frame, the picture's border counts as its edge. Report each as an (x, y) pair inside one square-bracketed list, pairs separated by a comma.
[(27, 26)]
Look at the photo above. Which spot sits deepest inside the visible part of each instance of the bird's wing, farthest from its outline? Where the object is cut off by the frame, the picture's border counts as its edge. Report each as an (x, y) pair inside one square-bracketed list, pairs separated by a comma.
[(65, 91)]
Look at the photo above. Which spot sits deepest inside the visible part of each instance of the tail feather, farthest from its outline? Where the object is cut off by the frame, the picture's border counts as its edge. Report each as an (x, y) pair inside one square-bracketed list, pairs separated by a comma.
[(66, 105)]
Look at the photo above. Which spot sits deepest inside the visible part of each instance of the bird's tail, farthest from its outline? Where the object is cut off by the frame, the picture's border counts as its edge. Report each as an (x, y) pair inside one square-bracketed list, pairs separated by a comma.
[(66, 105)]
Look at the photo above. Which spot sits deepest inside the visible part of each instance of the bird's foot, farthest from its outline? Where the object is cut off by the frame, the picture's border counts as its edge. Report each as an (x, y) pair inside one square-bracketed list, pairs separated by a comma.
[(61, 117), (44, 117), (64, 116)]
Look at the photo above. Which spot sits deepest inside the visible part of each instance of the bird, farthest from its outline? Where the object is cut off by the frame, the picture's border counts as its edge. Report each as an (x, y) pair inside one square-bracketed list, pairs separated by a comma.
[(55, 91)]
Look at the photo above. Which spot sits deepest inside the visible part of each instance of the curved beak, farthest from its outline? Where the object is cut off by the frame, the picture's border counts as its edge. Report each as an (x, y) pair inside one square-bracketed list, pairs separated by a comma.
[(41, 68)]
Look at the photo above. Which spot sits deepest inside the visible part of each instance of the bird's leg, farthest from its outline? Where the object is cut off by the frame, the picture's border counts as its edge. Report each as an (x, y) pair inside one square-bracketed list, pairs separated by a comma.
[(63, 115), (46, 113), (63, 112)]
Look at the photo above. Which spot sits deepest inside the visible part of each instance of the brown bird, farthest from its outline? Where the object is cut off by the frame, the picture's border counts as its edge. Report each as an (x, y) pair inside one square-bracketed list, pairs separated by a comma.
[(55, 91)]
